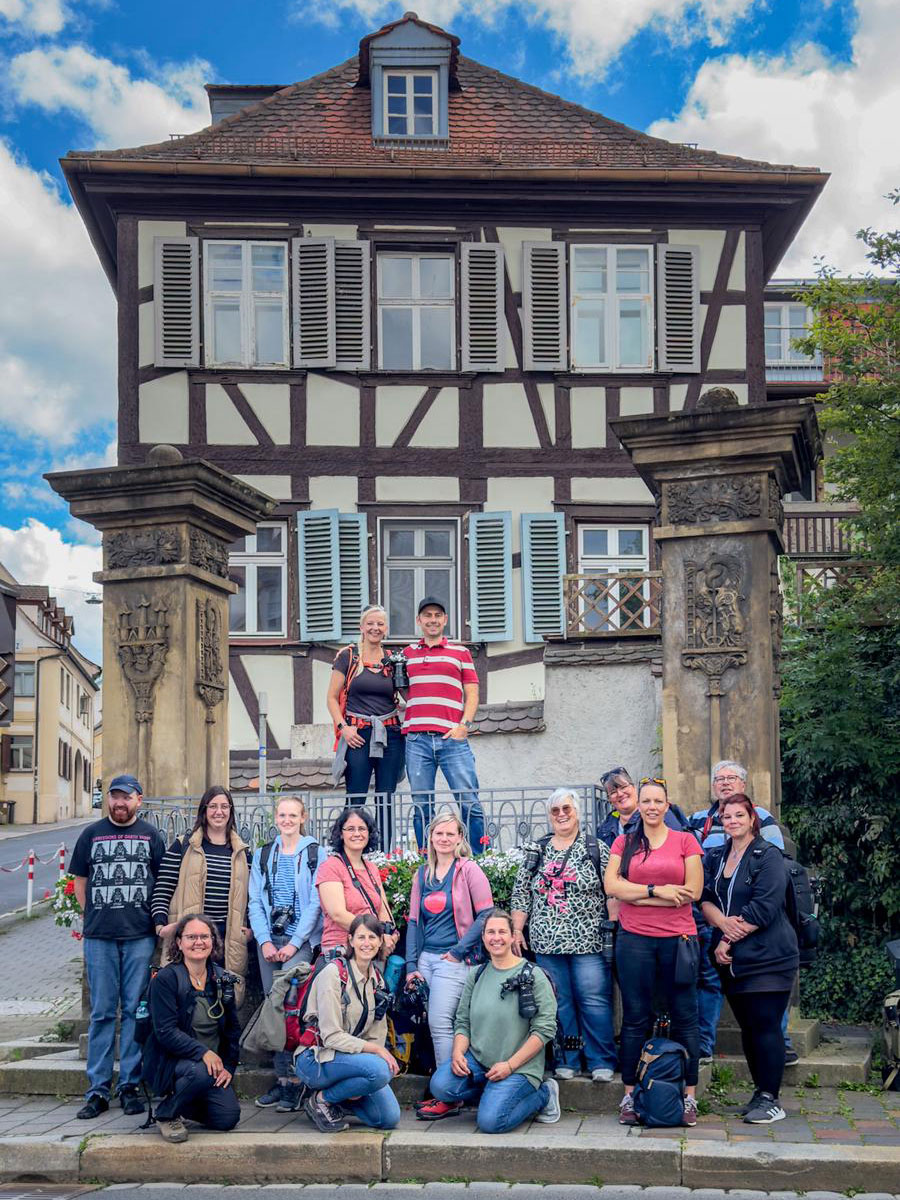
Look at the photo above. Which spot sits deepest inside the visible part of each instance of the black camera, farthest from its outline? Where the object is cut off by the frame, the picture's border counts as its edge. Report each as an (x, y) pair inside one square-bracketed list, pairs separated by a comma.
[(523, 983), (608, 939), (399, 669), (282, 916), (530, 860), (383, 1002), (228, 981)]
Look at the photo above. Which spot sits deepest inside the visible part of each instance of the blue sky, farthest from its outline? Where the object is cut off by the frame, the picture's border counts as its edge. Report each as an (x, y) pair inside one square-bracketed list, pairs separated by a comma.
[(805, 81)]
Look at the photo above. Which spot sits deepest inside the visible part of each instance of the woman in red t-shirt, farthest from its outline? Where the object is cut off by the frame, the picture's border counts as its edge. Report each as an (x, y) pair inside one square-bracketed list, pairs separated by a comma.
[(655, 872), (349, 885)]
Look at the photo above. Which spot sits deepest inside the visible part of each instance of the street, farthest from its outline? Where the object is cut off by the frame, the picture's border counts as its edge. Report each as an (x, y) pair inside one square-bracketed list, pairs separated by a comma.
[(406, 1191), (14, 849)]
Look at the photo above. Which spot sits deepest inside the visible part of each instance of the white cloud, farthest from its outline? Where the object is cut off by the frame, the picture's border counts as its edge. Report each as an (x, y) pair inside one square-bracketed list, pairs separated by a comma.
[(807, 110), (45, 17), (38, 554)]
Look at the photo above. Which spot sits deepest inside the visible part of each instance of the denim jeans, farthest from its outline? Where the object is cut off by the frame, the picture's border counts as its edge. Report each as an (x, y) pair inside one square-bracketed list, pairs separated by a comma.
[(425, 752), (501, 1106), (117, 975), (361, 1083), (197, 1098), (387, 771), (446, 981), (709, 995), (583, 984), (281, 1059)]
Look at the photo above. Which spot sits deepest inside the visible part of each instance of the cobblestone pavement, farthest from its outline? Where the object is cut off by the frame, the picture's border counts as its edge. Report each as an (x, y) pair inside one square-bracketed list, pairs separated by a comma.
[(40, 983)]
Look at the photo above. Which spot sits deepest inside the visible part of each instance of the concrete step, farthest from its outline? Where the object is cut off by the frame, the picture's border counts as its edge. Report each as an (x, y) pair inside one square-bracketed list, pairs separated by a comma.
[(63, 1075), (805, 1032), (33, 1047), (844, 1060)]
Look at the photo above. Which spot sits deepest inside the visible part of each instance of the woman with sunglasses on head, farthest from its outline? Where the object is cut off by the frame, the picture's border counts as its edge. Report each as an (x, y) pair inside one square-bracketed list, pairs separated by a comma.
[(191, 1054), (754, 947), (655, 872), (559, 894)]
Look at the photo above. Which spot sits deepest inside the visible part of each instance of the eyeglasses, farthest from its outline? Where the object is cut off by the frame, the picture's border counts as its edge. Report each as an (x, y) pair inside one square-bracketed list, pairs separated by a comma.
[(562, 811), (727, 779), (196, 937), (657, 779), (610, 774)]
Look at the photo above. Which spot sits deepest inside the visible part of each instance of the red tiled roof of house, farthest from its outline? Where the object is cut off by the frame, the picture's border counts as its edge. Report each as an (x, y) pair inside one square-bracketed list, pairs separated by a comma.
[(494, 121)]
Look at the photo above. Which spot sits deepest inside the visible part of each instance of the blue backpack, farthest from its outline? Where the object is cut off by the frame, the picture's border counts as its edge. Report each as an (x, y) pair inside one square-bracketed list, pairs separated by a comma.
[(659, 1092)]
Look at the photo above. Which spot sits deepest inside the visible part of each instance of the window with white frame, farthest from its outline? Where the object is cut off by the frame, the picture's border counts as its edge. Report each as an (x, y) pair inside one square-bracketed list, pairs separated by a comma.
[(416, 311), (419, 558), (613, 550), (21, 752), (23, 684), (410, 103), (246, 303), (783, 324), (257, 563), (611, 297)]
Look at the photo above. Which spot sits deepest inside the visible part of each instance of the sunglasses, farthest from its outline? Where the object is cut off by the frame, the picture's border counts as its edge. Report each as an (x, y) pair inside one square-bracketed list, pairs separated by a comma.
[(607, 775), (657, 779), (561, 810)]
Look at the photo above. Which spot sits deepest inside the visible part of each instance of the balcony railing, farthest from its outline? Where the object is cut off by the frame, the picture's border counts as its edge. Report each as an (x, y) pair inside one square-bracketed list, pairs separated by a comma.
[(613, 605), (817, 531)]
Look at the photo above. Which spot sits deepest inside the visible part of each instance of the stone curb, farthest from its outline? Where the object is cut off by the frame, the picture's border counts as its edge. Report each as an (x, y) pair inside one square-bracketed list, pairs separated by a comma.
[(770, 1167), (38, 1158)]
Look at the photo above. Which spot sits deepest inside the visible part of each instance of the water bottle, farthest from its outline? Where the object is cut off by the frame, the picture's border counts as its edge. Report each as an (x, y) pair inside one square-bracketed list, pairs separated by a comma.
[(142, 1012), (292, 996)]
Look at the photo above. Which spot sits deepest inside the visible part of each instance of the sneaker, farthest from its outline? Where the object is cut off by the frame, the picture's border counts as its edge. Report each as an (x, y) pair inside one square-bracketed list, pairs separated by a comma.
[(172, 1131), (602, 1075), (627, 1115), (436, 1110), (564, 1073), (132, 1104), (689, 1117), (765, 1111), (327, 1118), (790, 1057), (93, 1107), (751, 1103), (273, 1096), (551, 1112), (705, 1060), (293, 1096)]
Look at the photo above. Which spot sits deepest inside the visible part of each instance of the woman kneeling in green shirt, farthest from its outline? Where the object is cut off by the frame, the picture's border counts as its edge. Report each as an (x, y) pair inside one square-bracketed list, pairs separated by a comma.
[(498, 1053)]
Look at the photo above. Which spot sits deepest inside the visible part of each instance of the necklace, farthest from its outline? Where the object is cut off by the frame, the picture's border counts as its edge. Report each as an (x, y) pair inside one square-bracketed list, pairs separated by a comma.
[(199, 984)]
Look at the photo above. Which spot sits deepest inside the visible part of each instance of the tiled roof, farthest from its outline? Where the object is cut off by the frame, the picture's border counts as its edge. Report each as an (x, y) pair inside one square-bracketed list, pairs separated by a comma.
[(299, 774), (495, 120), (34, 592), (512, 717)]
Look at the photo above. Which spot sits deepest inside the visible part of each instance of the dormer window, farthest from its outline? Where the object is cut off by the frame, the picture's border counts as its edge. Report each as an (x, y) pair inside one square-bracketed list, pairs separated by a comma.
[(410, 107)]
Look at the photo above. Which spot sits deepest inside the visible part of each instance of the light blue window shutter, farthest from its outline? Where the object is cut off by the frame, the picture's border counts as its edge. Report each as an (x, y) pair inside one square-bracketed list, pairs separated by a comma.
[(353, 549), (319, 575), (490, 576), (543, 567)]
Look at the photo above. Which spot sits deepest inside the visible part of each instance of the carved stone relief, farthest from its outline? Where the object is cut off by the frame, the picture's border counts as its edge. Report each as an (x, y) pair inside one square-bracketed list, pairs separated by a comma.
[(155, 546), (210, 670), (208, 553), (715, 618), (142, 643), (719, 499), (776, 508)]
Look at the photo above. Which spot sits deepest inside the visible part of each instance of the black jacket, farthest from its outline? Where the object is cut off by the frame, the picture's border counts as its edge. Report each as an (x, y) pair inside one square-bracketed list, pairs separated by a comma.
[(757, 893), (172, 999)]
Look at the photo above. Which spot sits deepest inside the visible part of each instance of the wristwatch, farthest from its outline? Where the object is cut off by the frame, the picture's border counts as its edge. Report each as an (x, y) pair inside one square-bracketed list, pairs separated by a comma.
[(651, 888), (339, 726), (467, 724)]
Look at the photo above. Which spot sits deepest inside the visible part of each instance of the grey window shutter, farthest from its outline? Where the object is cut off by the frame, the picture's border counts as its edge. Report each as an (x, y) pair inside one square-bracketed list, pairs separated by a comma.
[(313, 270), (319, 575), (176, 301), (490, 576), (352, 306), (544, 306), (543, 567), (678, 305), (482, 306), (353, 552)]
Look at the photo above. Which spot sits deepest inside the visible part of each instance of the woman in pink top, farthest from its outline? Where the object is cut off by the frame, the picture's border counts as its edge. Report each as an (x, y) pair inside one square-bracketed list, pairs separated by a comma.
[(656, 874), (349, 885)]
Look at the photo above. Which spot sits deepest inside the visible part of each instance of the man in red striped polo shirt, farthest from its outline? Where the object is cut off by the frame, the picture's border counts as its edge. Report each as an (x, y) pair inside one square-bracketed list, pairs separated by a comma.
[(440, 708)]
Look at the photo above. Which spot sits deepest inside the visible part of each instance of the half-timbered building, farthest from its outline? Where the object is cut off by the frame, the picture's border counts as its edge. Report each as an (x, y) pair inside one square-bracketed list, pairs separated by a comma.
[(405, 298)]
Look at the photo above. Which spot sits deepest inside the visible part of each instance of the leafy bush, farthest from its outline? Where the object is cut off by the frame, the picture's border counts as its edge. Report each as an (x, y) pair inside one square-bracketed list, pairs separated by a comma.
[(847, 985)]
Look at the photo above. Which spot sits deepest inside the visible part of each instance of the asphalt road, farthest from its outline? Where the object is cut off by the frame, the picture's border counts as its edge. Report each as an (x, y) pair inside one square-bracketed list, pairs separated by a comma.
[(14, 849), (388, 1191)]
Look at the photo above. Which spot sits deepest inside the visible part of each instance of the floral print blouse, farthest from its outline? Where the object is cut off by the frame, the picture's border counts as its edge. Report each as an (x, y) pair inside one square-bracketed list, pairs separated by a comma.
[(564, 907)]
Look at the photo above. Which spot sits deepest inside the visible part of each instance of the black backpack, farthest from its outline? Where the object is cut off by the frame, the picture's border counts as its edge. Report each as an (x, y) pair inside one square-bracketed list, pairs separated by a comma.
[(590, 844), (802, 910), (658, 1095), (312, 861)]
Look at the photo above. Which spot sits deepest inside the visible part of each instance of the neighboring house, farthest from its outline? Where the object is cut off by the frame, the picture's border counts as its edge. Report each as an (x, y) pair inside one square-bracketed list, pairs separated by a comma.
[(405, 298), (46, 753)]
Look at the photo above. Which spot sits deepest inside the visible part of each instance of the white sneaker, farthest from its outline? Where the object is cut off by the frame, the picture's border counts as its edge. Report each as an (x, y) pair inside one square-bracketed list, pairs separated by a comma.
[(602, 1075), (551, 1112), (564, 1073)]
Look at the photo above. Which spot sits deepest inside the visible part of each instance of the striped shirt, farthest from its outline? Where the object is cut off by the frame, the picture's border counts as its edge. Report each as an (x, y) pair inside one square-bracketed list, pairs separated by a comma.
[(284, 894), (435, 699), (710, 823), (218, 882)]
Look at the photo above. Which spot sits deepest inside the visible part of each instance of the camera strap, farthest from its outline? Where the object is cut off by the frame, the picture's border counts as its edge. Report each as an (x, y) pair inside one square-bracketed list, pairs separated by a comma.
[(357, 883)]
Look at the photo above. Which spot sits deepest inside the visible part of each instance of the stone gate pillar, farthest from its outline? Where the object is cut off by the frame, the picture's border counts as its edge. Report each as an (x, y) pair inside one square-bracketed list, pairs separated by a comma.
[(166, 529), (719, 473)]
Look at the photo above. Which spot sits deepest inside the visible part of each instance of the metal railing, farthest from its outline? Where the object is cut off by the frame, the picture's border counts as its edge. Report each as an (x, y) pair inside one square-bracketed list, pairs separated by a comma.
[(510, 815), (613, 605)]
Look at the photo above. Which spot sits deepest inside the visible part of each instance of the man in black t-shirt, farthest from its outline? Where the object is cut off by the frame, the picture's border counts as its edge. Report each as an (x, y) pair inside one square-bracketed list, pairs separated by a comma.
[(114, 862)]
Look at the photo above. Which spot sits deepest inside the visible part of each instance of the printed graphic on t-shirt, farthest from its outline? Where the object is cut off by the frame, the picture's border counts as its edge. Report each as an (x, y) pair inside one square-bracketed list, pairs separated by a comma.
[(435, 902), (120, 871)]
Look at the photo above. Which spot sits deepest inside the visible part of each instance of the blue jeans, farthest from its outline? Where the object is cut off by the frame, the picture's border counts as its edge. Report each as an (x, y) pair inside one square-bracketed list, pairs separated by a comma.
[(501, 1106), (117, 975), (709, 995), (387, 771), (583, 984), (425, 752), (361, 1083)]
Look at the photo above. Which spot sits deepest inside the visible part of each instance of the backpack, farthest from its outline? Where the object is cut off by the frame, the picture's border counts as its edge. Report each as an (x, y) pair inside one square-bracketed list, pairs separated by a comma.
[(266, 1031), (591, 845), (659, 1092), (300, 1033), (312, 861), (802, 909)]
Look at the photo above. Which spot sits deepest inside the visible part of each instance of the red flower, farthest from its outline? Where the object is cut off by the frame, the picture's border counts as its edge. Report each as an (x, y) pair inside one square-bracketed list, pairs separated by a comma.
[(69, 889), (76, 935), (383, 872), (485, 841), (393, 870)]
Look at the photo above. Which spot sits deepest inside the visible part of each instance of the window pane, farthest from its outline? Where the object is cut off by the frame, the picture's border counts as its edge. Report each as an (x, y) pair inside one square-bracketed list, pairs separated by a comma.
[(435, 279), (772, 316), (422, 105), (401, 543), (23, 684), (224, 267), (401, 585), (397, 125), (269, 333), (396, 84), (226, 331), (437, 543), (633, 271), (396, 278), (590, 334), (397, 105), (595, 541), (437, 583), (268, 599), (590, 270), (237, 604), (773, 345), (437, 337), (238, 547), (633, 349), (423, 126), (268, 539), (631, 541), (396, 338), (423, 85)]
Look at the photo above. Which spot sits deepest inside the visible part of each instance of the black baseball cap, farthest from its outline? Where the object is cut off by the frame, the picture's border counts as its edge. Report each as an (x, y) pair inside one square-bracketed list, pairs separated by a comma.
[(428, 602), (125, 783)]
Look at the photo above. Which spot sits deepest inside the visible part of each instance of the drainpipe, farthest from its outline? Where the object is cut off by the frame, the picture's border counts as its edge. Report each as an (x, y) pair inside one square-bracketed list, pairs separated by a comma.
[(42, 658)]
